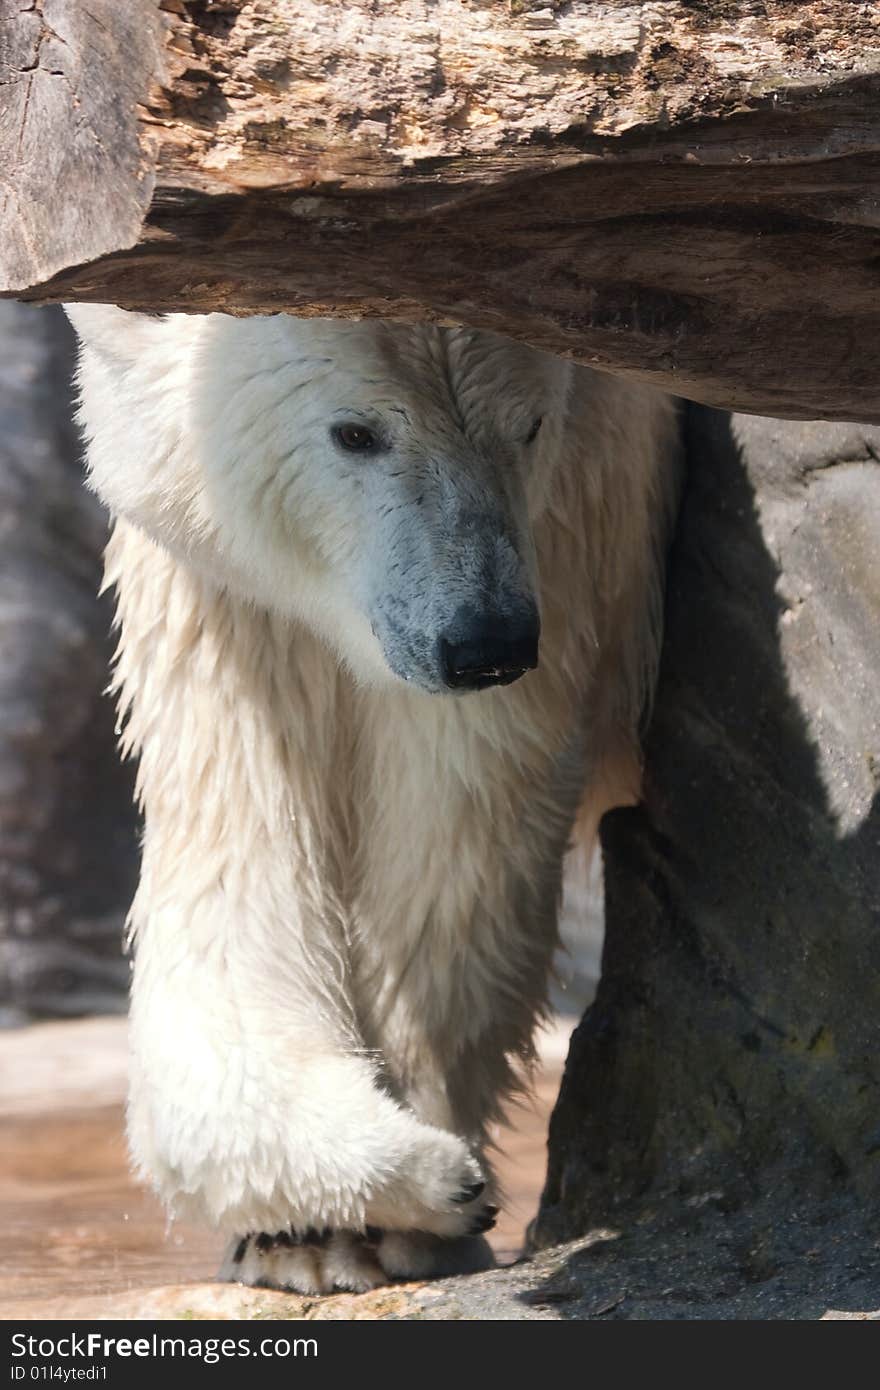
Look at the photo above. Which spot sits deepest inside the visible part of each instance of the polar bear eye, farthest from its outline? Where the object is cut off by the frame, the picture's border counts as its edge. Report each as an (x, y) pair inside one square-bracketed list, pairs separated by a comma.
[(356, 438), (536, 425)]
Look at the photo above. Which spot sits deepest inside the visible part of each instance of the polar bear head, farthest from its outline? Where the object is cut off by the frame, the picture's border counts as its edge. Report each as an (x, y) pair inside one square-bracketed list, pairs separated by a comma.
[(377, 482)]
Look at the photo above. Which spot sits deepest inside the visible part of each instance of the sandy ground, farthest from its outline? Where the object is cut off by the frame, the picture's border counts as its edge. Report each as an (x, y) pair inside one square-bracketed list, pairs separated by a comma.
[(85, 1234)]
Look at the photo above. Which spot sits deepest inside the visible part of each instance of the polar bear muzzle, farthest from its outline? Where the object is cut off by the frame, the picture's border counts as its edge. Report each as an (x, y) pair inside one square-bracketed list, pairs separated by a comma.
[(483, 649)]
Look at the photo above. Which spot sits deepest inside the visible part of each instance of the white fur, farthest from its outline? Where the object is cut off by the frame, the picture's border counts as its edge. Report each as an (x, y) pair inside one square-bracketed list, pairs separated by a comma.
[(347, 908)]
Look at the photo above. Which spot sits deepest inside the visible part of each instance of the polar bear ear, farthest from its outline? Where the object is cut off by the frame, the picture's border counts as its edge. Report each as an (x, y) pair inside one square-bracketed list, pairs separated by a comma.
[(116, 333)]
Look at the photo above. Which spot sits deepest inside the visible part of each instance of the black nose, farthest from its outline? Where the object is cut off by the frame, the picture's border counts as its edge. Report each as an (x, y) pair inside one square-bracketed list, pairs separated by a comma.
[(486, 651)]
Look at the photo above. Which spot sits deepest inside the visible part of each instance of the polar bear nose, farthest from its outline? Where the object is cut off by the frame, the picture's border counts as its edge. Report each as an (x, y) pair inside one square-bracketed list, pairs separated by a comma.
[(487, 650)]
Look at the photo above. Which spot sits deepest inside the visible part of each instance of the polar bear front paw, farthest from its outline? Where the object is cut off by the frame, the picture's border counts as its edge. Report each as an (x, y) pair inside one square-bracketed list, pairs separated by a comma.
[(427, 1218), (436, 1186), (317, 1262), (323, 1262)]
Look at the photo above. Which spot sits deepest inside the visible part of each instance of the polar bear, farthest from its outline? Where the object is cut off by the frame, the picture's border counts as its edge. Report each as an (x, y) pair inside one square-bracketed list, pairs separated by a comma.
[(390, 601)]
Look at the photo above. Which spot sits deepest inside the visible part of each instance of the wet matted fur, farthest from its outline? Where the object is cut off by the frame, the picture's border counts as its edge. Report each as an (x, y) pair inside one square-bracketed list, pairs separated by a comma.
[(351, 874)]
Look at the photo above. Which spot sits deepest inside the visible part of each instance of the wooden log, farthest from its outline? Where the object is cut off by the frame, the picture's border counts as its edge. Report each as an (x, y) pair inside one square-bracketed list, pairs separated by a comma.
[(687, 192)]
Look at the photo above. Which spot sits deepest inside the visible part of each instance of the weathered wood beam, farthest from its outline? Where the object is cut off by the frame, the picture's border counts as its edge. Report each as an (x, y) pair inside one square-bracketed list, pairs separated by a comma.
[(688, 192)]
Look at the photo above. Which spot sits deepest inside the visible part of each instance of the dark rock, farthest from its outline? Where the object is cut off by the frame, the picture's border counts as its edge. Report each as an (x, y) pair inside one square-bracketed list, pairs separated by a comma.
[(68, 857), (732, 1057)]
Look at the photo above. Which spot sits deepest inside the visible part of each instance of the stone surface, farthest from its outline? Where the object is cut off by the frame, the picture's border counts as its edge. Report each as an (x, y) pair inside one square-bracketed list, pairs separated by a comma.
[(68, 857), (731, 1061)]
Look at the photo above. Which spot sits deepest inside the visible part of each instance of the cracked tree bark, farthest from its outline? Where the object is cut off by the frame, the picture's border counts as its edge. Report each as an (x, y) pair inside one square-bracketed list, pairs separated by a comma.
[(684, 191), (68, 858)]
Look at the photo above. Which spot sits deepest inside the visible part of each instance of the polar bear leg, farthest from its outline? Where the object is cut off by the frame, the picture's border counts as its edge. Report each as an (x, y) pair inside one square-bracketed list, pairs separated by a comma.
[(253, 1110)]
